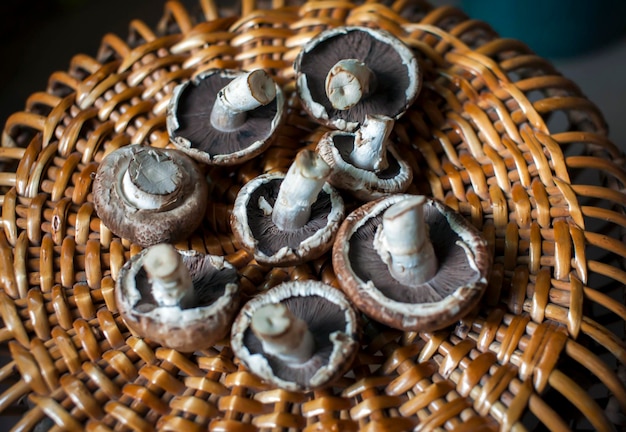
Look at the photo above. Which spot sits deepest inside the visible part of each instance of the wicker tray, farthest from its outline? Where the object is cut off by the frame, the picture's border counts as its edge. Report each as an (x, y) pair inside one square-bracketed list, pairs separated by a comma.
[(496, 133)]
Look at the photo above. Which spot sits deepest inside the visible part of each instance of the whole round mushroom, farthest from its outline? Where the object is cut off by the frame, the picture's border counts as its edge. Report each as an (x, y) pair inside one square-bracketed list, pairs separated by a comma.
[(411, 262), (225, 117), (183, 300), (299, 335), (365, 162), (286, 219), (149, 195), (345, 73)]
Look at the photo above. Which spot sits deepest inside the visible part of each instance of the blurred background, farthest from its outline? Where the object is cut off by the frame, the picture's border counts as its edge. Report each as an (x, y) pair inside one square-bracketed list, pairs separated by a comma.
[(585, 39)]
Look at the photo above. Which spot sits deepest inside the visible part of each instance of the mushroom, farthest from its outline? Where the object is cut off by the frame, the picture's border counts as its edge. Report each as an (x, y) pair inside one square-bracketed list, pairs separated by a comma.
[(299, 335), (225, 117), (365, 162), (288, 219), (149, 195), (411, 262), (345, 73), (183, 300)]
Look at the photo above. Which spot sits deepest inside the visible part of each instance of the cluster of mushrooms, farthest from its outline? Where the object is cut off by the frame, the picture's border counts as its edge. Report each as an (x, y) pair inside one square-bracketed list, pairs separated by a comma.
[(406, 261)]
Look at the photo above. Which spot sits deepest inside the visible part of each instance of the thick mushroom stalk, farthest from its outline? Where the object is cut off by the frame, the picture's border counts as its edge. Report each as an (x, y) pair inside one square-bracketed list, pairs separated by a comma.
[(347, 82), (287, 219), (282, 334), (370, 149), (151, 179), (171, 280), (299, 190), (245, 93), (403, 243)]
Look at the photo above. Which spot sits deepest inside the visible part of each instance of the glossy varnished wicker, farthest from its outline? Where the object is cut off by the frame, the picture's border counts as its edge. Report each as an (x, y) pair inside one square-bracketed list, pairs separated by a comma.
[(496, 133)]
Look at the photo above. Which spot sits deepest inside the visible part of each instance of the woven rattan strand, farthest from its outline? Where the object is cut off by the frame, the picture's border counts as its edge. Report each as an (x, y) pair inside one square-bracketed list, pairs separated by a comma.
[(544, 348)]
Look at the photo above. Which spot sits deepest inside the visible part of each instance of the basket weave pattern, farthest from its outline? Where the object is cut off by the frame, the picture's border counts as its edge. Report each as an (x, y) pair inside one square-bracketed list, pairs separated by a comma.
[(544, 346)]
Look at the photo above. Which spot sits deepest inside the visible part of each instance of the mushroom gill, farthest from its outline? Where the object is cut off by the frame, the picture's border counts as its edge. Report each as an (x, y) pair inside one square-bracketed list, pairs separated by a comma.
[(411, 262), (454, 267), (384, 79), (323, 318), (209, 283), (271, 238), (183, 300), (193, 114), (286, 219)]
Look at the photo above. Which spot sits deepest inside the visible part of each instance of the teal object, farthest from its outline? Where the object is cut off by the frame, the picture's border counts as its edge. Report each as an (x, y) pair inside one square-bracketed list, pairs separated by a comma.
[(554, 28)]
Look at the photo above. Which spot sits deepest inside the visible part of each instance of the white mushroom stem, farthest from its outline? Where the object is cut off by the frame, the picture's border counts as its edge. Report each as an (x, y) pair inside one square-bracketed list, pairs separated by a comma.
[(170, 278), (150, 180), (282, 334), (403, 243), (245, 93), (370, 143), (347, 82), (299, 190)]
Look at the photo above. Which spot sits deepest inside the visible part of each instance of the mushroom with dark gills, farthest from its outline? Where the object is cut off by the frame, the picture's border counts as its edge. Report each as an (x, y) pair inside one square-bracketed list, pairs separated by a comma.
[(345, 73), (299, 335), (149, 195), (365, 162), (183, 300), (411, 262), (225, 117), (288, 219)]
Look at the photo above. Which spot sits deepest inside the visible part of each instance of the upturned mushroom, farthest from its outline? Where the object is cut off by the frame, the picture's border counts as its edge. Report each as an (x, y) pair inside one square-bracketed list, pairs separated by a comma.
[(365, 162), (345, 73), (180, 299), (225, 117), (411, 262), (149, 195), (288, 219), (299, 335)]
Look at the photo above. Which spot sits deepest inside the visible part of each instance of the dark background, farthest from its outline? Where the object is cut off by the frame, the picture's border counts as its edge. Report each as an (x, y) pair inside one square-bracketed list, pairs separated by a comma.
[(41, 36)]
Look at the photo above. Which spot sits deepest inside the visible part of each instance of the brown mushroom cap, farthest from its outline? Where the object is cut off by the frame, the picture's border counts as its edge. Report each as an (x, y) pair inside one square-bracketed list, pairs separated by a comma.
[(190, 129), (395, 67), (461, 279), (190, 327), (335, 148), (257, 233), (177, 188), (329, 317)]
